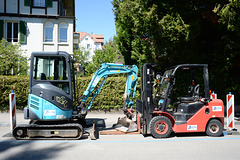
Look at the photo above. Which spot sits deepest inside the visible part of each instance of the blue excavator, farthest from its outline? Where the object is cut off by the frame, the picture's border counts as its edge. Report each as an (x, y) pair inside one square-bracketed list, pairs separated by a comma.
[(53, 108)]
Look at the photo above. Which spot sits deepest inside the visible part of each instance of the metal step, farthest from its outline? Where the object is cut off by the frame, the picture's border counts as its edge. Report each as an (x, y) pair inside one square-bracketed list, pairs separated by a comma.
[(182, 116), (180, 122)]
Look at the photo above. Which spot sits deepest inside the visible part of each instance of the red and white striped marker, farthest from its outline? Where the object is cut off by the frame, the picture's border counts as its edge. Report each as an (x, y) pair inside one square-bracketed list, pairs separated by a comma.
[(230, 111), (213, 95), (12, 104)]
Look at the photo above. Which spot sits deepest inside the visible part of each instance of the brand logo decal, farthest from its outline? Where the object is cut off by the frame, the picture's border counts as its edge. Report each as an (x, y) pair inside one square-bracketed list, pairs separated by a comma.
[(217, 108), (49, 112), (62, 101), (191, 127)]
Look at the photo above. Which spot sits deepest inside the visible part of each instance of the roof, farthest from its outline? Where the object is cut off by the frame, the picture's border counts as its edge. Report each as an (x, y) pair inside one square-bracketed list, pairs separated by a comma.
[(97, 38)]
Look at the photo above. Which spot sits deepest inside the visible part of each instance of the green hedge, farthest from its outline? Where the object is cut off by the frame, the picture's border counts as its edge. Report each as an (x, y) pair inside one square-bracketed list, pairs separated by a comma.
[(111, 95), (19, 84)]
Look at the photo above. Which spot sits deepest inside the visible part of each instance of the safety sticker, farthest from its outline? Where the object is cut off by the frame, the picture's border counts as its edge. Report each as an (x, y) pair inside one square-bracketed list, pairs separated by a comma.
[(49, 112), (95, 81), (59, 116), (217, 108), (191, 127)]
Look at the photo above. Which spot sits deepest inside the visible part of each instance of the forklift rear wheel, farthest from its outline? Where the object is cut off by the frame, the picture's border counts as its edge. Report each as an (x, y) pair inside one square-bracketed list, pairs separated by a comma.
[(214, 128), (160, 127)]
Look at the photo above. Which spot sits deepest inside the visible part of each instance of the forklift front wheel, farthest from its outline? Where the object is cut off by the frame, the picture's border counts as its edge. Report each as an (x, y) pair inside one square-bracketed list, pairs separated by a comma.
[(160, 127), (214, 128)]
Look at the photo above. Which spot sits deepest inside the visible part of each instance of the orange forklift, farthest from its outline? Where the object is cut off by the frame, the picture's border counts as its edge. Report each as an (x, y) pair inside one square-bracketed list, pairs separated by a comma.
[(178, 101)]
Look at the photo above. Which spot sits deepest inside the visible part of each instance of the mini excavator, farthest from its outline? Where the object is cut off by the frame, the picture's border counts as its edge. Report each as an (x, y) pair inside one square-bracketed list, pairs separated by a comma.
[(53, 108)]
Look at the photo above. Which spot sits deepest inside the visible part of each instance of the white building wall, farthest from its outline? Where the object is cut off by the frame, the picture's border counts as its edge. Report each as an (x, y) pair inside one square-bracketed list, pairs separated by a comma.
[(11, 6), (38, 11), (83, 44), (35, 27), (56, 45), (35, 34)]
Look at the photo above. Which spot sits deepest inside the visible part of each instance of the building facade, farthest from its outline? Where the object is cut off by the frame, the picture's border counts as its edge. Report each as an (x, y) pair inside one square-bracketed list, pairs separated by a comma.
[(38, 25), (90, 42)]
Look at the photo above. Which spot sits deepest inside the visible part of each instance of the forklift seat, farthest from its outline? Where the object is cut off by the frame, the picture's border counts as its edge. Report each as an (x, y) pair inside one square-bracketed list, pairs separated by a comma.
[(193, 92)]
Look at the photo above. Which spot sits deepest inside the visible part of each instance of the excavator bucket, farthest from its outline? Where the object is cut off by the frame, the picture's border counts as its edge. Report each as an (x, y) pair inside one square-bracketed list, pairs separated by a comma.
[(125, 125)]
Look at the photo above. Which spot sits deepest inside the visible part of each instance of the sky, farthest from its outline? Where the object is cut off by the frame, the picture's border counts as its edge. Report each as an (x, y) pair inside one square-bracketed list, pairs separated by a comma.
[(95, 16)]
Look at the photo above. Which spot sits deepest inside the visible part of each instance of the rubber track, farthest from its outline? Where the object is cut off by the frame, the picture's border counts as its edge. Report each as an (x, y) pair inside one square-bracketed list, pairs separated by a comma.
[(59, 126)]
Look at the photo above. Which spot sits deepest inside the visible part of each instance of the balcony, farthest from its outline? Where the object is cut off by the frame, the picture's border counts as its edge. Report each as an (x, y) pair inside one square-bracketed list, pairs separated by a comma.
[(67, 8)]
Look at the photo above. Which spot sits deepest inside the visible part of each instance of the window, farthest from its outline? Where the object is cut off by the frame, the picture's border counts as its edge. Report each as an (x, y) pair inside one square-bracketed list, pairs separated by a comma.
[(88, 46), (52, 69), (98, 46), (12, 31), (48, 32), (63, 28), (86, 39), (39, 3)]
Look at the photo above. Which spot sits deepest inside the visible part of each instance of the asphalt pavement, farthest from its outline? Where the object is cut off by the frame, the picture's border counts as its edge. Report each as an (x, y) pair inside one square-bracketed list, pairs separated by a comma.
[(133, 146)]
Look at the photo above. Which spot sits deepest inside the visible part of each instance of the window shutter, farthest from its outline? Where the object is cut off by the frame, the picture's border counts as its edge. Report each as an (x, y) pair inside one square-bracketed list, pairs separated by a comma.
[(49, 3), (27, 2), (1, 29), (23, 32)]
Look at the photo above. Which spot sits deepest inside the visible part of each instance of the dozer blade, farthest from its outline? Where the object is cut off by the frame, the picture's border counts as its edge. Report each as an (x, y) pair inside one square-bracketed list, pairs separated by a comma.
[(93, 133), (125, 125)]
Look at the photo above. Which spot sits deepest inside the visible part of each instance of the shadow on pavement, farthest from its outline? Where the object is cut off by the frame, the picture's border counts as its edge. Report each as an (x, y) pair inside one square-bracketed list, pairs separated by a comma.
[(29, 150)]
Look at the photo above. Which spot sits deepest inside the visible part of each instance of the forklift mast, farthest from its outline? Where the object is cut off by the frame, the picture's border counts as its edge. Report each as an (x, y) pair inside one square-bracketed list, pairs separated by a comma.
[(145, 105)]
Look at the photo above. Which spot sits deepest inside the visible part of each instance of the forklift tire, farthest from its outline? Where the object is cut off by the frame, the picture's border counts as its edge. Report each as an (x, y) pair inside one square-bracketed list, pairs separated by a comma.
[(160, 127), (214, 128)]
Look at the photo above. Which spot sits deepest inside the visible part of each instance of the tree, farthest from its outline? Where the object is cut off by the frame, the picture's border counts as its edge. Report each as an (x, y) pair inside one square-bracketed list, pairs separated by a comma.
[(185, 31), (109, 54), (81, 56), (230, 21), (12, 61), (147, 31)]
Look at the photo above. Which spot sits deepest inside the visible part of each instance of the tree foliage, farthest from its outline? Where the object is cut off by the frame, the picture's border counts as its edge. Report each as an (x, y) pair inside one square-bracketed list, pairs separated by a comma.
[(109, 54), (81, 56), (147, 30), (184, 31), (12, 61)]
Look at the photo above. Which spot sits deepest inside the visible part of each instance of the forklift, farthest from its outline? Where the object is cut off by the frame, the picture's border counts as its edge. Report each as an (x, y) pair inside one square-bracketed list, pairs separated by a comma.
[(178, 101)]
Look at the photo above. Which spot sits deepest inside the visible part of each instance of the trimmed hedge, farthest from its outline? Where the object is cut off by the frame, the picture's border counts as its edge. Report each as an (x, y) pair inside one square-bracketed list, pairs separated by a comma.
[(19, 84), (110, 97)]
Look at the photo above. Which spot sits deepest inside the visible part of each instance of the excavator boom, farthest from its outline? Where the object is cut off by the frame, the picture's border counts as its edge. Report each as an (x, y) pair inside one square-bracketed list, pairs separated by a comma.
[(102, 73)]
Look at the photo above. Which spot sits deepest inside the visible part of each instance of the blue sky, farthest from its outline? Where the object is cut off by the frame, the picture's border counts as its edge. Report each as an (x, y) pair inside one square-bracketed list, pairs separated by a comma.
[(95, 16)]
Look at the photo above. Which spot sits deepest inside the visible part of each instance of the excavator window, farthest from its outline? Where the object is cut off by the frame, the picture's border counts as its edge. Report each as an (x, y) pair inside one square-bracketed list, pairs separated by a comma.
[(51, 69)]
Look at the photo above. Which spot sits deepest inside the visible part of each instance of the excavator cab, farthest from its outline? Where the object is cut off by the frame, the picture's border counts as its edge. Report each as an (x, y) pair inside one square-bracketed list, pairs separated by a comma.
[(50, 86)]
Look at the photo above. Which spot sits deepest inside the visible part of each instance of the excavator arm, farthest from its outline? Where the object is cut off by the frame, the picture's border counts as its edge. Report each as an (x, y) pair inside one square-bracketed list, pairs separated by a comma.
[(103, 72)]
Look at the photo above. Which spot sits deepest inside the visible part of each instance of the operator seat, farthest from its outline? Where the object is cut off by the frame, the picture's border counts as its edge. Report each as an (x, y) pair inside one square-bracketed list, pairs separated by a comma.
[(43, 76), (193, 92)]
